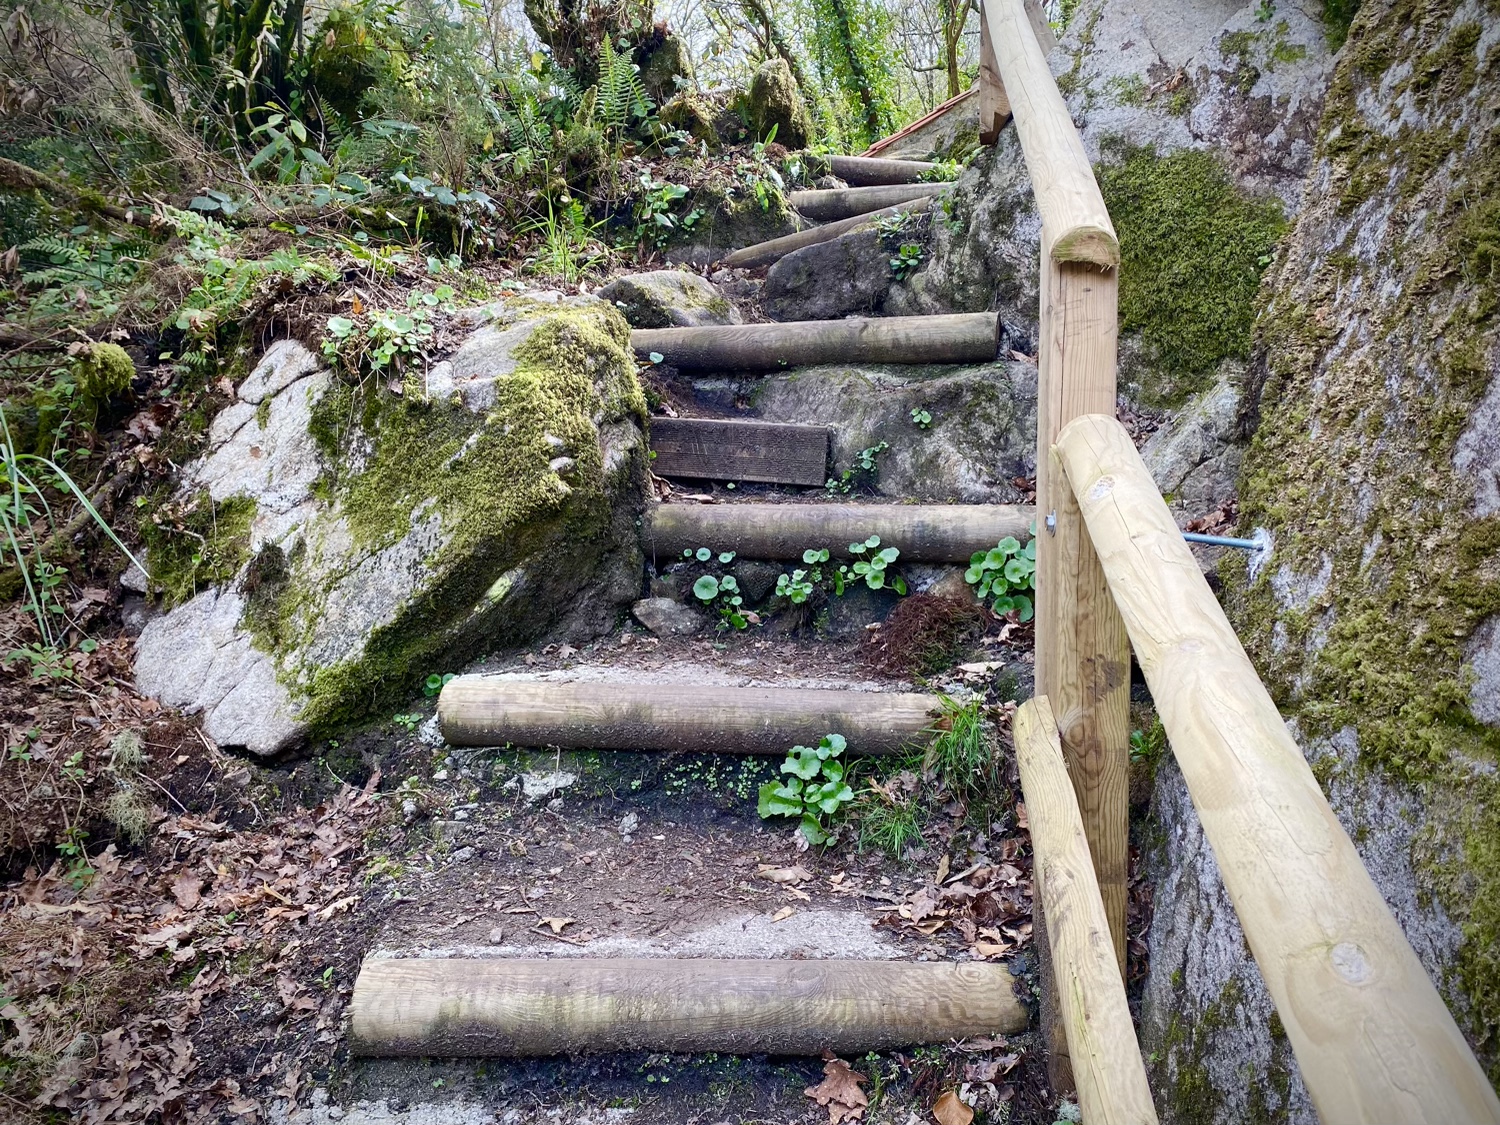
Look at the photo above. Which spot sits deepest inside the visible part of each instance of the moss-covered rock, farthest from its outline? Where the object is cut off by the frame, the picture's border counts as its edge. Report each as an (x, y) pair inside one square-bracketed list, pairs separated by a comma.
[(395, 536), (774, 101)]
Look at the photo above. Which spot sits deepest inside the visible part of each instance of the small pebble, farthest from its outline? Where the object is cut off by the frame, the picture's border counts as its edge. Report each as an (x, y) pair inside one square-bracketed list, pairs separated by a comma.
[(463, 855), (497, 936), (556, 804), (629, 823)]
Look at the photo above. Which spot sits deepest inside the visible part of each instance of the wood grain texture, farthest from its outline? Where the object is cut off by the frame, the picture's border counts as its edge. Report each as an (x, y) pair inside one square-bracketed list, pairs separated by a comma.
[(994, 106), (526, 1008), (1372, 1037), (868, 171), (833, 204), (1082, 652), (920, 123), (1106, 1058), (954, 338), (772, 251), (719, 449), (1075, 225), (705, 719), (925, 533)]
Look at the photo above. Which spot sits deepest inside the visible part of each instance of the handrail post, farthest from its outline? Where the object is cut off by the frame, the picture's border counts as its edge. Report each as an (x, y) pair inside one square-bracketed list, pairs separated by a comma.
[(1082, 654)]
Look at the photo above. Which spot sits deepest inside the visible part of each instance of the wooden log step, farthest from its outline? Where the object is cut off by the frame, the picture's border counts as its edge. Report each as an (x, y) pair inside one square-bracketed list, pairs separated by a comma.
[(695, 718), (717, 449), (950, 338), (461, 1007), (927, 533), (843, 203), (767, 253), (868, 171)]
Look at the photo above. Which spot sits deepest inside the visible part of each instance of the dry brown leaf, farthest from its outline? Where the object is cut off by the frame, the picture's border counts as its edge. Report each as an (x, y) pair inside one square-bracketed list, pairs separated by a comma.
[(784, 875), (557, 924), (186, 888), (1021, 821), (783, 914), (840, 1092), (943, 867), (950, 1109)]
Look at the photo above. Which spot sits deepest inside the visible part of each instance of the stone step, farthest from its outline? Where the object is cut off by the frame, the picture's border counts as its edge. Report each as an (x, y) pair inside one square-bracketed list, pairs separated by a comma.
[(530, 1007), (924, 533), (496, 710), (944, 339), (722, 449), (833, 204), (771, 251), (868, 171)]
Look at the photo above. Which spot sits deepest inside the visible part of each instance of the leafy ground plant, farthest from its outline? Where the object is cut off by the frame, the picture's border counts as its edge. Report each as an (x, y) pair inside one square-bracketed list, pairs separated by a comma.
[(863, 473), (961, 755), (872, 566), (815, 790), (1003, 576), (798, 586)]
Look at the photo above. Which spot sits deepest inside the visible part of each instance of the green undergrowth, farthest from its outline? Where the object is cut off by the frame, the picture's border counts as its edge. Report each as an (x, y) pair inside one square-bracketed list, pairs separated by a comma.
[(1193, 246), (1353, 463)]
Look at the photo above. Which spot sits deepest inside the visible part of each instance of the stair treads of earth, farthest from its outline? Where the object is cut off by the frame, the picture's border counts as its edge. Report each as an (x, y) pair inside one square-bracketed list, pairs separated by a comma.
[(468, 1008), (493, 710), (717, 449), (924, 533), (946, 338), (833, 204)]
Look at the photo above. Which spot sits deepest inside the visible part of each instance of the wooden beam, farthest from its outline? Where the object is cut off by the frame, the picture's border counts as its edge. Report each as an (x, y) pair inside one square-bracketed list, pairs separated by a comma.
[(924, 533), (768, 253), (954, 338), (867, 171), (1082, 653), (1372, 1037), (719, 449), (696, 718), (1106, 1058), (1075, 225), (468, 1007), (940, 110), (842, 203), (994, 106)]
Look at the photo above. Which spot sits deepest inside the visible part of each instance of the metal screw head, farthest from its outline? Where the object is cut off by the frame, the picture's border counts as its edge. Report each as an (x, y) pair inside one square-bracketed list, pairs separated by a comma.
[(1051, 523)]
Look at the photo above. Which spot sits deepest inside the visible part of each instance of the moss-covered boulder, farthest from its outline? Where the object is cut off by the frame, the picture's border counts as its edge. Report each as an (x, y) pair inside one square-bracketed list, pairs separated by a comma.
[(669, 299), (774, 101), (390, 536)]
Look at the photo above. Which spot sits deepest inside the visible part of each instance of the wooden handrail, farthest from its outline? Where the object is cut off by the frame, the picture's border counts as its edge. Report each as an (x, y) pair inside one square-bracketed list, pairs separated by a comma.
[(1107, 1067), (1373, 1039), (1075, 224)]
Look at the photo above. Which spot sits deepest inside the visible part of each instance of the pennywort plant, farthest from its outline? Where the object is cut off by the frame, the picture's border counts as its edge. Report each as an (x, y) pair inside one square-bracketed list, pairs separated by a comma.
[(814, 791), (872, 566), (721, 593), (1003, 577)]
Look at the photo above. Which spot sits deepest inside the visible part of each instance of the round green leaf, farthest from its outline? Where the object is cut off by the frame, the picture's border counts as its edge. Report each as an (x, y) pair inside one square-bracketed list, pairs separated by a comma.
[(706, 588), (704, 554), (1010, 544)]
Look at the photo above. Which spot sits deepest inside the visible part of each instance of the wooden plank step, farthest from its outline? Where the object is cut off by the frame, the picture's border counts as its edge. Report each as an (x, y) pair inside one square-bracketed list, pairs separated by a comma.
[(719, 449), (949, 338), (842, 203), (926, 533), (867, 171), (768, 253), (526, 1008), (708, 719)]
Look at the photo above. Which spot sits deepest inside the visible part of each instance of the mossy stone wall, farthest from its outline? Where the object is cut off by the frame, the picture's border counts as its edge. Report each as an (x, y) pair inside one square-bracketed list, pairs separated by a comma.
[(1377, 344)]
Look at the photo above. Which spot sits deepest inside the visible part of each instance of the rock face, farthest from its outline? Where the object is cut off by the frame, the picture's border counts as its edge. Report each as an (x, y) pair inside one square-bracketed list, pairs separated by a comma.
[(669, 299), (982, 432), (845, 276), (387, 537), (1371, 393)]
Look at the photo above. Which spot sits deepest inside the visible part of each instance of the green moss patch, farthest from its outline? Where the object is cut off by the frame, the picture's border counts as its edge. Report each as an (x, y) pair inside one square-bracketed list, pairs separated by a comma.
[(1192, 247), (194, 543)]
